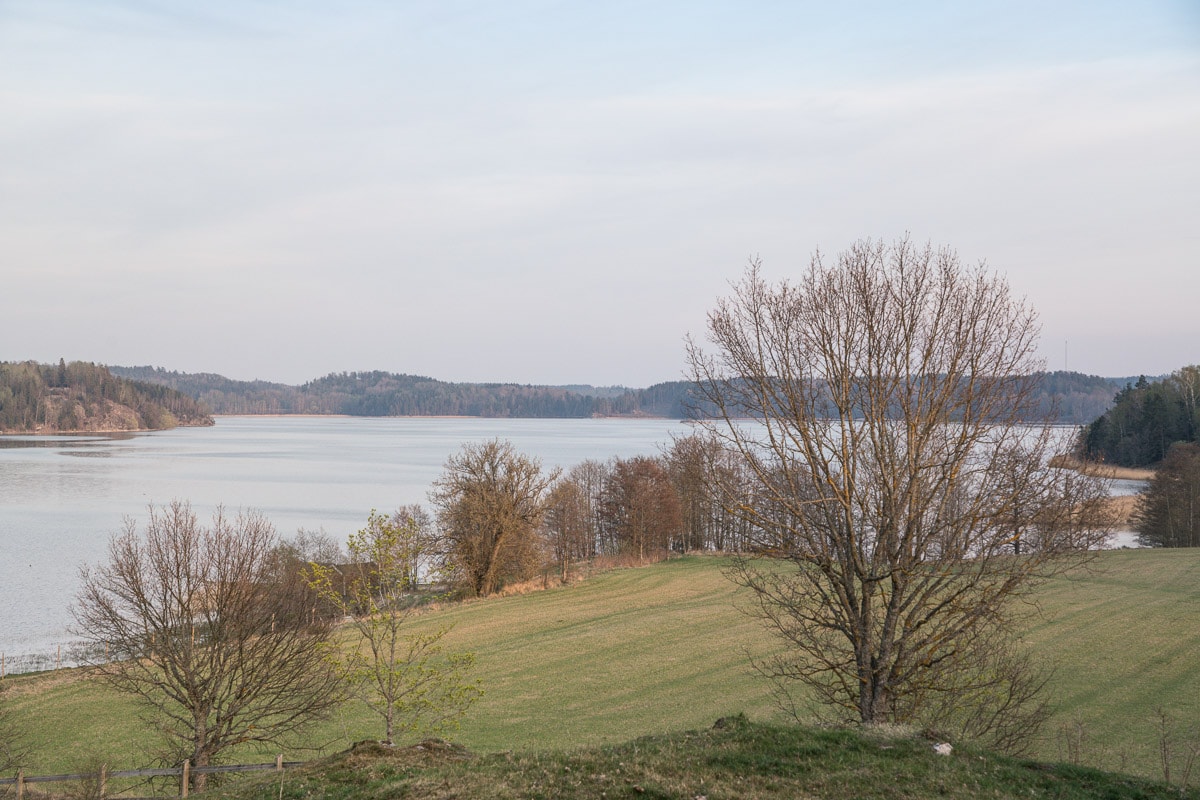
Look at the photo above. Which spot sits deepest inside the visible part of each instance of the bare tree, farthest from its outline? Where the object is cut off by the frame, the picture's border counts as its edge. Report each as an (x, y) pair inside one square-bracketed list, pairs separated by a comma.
[(708, 481), (888, 394), (308, 546), (420, 542), (219, 644), (407, 678), (566, 526), (590, 475), (490, 501)]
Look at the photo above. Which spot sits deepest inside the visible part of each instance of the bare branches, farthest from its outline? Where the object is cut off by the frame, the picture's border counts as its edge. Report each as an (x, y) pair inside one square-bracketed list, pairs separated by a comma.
[(221, 646), (891, 466)]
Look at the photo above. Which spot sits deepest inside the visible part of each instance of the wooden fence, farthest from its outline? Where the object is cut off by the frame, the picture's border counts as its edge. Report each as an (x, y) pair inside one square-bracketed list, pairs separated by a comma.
[(184, 773)]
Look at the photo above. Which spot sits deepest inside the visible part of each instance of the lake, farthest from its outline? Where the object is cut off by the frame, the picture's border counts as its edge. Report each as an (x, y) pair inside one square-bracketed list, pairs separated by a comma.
[(62, 497)]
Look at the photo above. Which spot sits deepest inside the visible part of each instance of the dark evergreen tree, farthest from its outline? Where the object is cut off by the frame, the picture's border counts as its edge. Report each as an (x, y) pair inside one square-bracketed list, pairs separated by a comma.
[(1168, 512), (1146, 418)]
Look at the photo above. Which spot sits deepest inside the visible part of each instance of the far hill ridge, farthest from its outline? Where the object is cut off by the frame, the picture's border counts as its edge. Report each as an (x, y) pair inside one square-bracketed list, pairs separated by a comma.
[(1073, 398)]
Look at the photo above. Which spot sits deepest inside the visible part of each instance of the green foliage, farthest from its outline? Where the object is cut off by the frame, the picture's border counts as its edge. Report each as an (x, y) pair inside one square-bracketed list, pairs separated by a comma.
[(1145, 420), (83, 396), (406, 677)]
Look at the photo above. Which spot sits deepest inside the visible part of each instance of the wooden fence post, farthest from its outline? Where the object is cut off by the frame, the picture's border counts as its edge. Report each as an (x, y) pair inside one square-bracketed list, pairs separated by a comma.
[(103, 779), (279, 763), (20, 784), (184, 780)]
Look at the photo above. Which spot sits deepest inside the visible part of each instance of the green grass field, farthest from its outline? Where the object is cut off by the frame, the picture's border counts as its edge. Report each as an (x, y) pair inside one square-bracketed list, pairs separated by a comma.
[(633, 652)]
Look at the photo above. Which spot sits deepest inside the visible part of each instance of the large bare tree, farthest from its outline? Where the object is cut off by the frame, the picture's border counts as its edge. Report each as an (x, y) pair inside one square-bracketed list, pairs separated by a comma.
[(220, 645), (901, 504), (490, 502)]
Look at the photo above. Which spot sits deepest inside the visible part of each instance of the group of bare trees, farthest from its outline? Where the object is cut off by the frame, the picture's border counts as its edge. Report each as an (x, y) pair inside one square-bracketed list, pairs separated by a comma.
[(501, 518), (647, 507)]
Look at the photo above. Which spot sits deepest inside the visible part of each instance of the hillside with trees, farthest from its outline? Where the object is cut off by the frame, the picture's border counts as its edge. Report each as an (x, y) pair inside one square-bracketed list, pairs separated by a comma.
[(385, 394), (1068, 397), (1146, 418), (78, 397)]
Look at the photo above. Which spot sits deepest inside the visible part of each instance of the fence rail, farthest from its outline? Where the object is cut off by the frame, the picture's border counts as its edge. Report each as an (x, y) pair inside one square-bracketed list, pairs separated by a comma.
[(183, 772)]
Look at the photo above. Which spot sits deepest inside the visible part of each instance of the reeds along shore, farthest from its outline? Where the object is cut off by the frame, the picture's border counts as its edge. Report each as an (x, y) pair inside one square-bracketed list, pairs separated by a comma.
[(1102, 470)]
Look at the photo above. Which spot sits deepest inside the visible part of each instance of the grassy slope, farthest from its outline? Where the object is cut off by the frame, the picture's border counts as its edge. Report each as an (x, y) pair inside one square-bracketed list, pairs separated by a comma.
[(636, 652), (613, 657), (1126, 640)]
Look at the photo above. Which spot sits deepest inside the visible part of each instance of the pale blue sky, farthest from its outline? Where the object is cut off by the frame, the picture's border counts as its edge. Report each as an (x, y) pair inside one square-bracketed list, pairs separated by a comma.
[(554, 192)]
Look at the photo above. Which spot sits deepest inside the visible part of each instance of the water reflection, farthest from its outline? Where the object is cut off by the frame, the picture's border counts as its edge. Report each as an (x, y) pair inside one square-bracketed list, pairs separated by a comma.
[(60, 439)]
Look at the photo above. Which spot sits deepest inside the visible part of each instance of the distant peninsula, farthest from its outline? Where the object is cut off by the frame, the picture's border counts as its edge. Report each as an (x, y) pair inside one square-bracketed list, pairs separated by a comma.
[(80, 397), (1067, 397)]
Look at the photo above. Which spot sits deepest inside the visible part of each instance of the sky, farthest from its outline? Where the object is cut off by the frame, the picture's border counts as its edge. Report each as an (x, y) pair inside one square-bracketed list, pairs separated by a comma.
[(558, 192)]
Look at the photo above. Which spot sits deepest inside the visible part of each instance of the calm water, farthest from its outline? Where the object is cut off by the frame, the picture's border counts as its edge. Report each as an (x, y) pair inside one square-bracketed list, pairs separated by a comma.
[(62, 497)]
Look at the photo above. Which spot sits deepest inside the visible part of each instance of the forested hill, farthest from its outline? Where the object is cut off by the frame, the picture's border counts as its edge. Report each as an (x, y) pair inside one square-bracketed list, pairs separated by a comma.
[(43, 398), (1078, 398), (1146, 418), (383, 394)]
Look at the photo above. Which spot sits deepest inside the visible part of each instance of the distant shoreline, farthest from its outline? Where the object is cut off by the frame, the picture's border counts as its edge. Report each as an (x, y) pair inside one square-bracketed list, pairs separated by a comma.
[(41, 431), (440, 416)]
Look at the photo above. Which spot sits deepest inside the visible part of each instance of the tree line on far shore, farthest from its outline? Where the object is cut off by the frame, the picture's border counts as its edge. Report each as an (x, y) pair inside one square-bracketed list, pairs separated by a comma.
[(1067, 397)]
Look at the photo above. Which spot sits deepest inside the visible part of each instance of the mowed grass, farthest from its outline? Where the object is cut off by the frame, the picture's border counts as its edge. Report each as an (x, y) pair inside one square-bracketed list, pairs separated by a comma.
[(1125, 638), (633, 652), (625, 653)]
